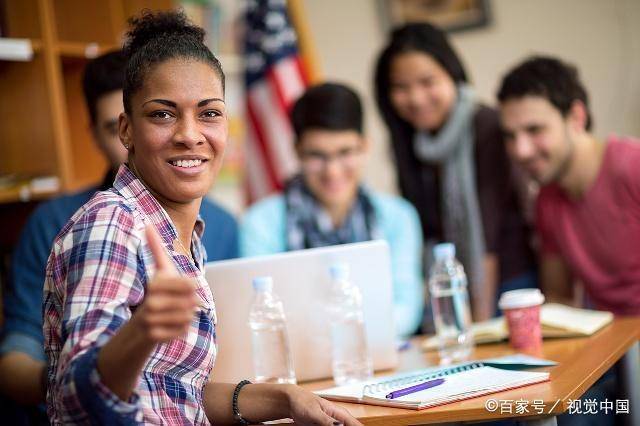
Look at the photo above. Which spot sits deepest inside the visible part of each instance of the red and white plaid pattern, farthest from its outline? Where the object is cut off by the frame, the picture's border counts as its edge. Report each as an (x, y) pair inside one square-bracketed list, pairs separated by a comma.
[(96, 277)]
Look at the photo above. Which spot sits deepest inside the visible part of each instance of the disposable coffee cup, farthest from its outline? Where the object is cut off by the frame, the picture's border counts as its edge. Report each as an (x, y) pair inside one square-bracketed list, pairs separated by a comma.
[(522, 310)]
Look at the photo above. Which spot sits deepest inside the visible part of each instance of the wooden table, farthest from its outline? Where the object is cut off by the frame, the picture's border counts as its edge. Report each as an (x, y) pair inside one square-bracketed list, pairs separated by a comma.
[(581, 362)]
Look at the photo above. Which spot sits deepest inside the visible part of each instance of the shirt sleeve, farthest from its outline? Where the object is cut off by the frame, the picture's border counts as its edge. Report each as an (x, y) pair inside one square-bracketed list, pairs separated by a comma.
[(231, 239), (22, 330), (627, 162), (262, 230), (220, 232), (16, 341), (402, 231), (94, 276)]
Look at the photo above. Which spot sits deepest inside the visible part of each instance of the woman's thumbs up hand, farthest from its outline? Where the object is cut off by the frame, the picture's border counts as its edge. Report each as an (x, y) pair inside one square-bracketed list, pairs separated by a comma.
[(170, 300)]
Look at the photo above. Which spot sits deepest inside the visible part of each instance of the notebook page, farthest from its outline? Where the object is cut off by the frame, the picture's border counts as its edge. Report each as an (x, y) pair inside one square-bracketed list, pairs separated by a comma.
[(467, 383), (354, 392), (583, 321)]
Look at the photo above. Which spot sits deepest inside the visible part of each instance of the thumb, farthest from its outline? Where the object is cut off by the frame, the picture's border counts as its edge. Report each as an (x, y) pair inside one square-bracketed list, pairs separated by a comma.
[(160, 256)]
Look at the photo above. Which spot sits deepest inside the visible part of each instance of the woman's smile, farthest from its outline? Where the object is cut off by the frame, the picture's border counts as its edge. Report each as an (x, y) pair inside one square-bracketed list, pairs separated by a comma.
[(178, 130), (189, 165)]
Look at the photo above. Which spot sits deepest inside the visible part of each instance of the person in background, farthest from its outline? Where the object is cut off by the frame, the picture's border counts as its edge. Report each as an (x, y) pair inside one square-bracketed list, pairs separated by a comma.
[(588, 207), (327, 204), (451, 163), (22, 359), (129, 319)]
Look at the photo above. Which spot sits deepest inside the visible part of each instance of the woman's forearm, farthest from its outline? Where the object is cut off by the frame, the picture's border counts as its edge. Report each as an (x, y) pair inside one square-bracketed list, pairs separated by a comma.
[(121, 360), (256, 402)]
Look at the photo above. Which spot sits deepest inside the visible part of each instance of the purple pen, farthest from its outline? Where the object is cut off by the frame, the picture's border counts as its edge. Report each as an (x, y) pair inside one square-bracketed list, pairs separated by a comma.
[(414, 388)]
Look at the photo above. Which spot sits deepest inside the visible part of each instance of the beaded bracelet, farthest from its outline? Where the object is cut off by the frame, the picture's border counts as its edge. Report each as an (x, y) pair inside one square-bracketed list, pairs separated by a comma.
[(237, 417)]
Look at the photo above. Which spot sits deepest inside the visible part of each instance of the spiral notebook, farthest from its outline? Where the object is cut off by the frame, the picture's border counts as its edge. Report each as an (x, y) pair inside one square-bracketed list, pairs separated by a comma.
[(461, 382)]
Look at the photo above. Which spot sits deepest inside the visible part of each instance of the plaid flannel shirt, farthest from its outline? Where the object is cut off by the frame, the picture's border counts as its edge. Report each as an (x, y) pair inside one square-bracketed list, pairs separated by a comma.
[(96, 276)]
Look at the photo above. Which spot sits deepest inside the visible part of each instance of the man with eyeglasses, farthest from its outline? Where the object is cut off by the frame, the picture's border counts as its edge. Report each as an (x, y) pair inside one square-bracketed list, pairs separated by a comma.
[(327, 204)]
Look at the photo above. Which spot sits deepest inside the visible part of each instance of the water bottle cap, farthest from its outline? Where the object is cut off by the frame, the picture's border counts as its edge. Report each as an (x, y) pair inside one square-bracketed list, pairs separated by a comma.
[(444, 251), (263, 283), (339, 271)]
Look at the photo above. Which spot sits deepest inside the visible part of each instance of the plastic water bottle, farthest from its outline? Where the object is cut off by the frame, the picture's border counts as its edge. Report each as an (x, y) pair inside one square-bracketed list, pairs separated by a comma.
[(350, 357), (450, 303), (271, 356)]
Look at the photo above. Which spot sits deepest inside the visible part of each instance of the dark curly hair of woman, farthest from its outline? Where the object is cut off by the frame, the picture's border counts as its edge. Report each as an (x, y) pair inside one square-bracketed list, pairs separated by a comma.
[(156, 37)]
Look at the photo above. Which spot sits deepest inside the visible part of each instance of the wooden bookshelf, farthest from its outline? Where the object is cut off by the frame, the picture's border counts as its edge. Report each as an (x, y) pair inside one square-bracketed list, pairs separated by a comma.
[(44, 126), (74, 49)]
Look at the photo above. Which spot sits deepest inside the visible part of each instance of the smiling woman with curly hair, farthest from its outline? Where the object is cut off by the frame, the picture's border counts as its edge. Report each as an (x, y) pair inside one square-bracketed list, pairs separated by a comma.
[(129, 318)]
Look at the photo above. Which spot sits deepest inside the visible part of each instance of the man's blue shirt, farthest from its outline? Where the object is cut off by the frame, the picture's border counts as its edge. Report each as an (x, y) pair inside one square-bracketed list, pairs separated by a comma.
[(22, 331)]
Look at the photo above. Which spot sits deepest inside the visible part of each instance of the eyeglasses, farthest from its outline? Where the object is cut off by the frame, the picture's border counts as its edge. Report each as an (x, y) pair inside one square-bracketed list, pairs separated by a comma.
[(315, 161)]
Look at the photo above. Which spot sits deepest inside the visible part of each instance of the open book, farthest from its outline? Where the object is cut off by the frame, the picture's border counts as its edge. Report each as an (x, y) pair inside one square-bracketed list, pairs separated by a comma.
[(461, 382), (557, 321)]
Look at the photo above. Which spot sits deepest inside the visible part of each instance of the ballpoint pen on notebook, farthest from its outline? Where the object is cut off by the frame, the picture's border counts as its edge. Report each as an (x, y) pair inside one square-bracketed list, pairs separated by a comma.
[(415, 388)]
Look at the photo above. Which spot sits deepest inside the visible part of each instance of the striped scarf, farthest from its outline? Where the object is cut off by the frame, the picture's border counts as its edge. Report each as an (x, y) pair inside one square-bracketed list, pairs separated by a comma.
[(452, 148), (308, 225)]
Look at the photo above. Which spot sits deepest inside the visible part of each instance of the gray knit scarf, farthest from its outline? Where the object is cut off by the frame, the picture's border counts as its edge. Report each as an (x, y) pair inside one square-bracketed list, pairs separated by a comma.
[(453, 149), (308, 225)]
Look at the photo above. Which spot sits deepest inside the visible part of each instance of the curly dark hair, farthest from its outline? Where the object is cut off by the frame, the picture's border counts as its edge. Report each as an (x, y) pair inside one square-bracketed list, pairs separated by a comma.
[(155, 37), (547, 77)]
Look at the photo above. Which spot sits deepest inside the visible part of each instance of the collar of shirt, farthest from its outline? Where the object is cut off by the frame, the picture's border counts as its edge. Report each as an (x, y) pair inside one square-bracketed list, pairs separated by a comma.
[(133, 190)]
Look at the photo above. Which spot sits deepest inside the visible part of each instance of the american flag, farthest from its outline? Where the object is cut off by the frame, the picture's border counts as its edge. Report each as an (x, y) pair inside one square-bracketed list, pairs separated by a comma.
[(275, 78)]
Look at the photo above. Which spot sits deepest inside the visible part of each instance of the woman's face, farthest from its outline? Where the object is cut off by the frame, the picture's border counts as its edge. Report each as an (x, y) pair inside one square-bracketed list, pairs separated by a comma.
[(421, 91), (177, 130), (332, 163)]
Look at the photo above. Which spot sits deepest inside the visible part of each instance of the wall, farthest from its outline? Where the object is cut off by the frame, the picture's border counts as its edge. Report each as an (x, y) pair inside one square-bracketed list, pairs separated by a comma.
[(602, 38)]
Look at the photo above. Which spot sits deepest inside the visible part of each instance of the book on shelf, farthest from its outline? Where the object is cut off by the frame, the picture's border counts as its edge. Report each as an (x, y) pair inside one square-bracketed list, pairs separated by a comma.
[(14, 187), (15, 49)]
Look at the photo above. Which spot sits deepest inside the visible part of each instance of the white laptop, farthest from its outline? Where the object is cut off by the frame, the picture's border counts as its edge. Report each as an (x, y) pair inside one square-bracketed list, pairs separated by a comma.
[(301, 279)]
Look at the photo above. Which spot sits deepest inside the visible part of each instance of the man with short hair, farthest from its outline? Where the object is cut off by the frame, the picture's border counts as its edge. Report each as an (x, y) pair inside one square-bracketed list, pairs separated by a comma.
[(22, 358), (588, 208)]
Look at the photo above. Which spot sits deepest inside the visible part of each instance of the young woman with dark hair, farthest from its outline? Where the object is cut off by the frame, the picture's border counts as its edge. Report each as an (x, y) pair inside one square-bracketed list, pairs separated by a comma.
[(129, 320), (451, 163)]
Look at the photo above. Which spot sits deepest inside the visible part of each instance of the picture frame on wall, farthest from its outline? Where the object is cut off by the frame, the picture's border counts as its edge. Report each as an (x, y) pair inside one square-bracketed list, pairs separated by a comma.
[(450, 15)]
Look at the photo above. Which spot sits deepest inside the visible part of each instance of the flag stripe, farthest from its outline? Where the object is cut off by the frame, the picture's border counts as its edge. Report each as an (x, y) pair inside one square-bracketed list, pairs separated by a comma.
[(274, 123), (275, 78), (259, 142), (257, 176), (288, 81), (279, 99)]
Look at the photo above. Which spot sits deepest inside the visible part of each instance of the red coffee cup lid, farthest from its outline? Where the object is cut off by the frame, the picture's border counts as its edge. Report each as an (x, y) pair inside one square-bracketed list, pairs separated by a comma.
[(523, 298)]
